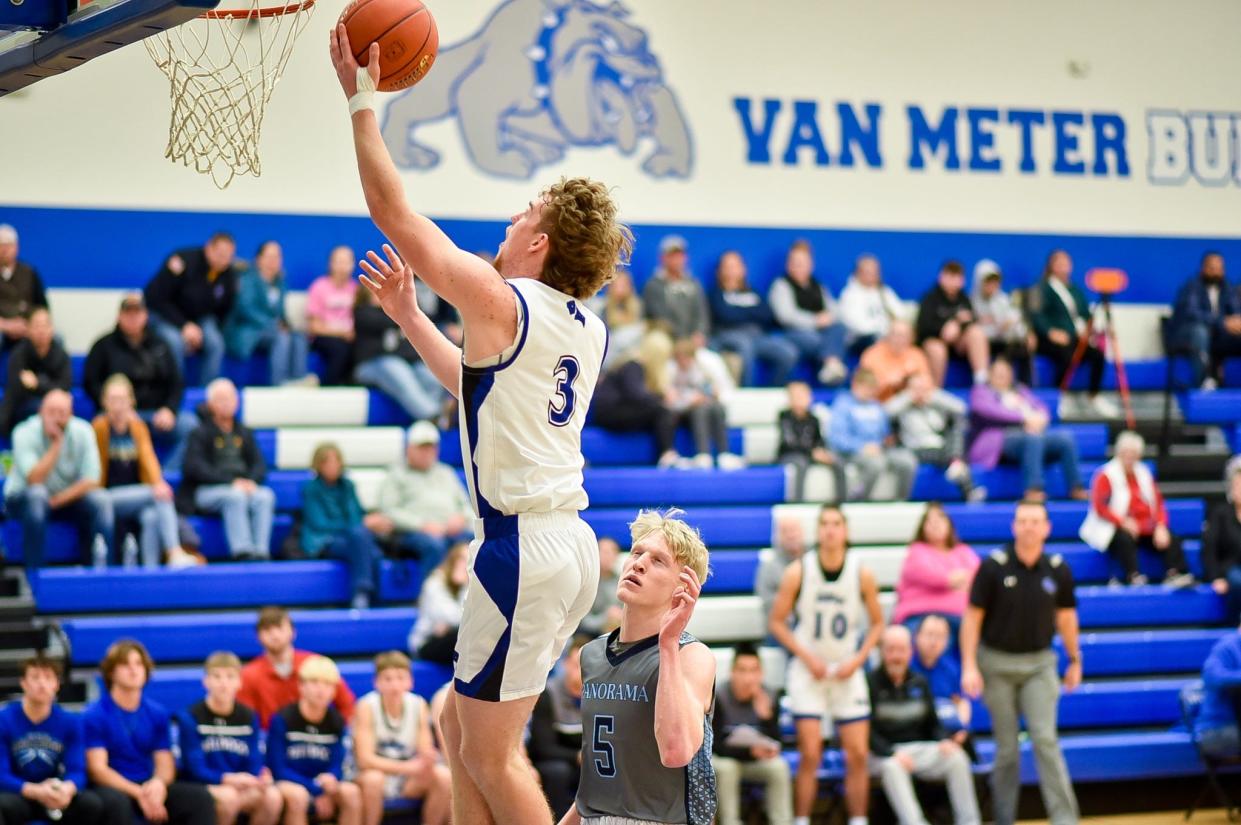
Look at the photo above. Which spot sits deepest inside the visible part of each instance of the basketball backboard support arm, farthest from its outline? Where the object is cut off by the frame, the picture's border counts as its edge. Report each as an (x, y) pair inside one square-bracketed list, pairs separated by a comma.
[(93, 31)]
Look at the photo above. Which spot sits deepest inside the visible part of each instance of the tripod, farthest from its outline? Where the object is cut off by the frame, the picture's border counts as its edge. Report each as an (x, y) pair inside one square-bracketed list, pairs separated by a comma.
[(1106, 282)]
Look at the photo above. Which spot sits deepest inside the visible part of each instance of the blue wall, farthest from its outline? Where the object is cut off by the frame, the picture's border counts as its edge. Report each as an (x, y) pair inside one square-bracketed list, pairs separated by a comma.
[(119, 248)]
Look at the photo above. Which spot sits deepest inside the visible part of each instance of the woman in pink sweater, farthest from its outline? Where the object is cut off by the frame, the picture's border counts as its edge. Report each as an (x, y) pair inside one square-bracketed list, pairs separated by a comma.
[(937, 573)]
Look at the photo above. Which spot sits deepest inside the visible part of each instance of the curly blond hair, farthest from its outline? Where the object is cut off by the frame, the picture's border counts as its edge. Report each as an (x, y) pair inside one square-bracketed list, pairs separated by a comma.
[(684, 541), (586, 242)]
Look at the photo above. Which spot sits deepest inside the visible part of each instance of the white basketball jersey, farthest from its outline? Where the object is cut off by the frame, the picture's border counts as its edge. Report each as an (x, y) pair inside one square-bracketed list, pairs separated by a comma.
[(521, 419), (829, 613), (396, 738)]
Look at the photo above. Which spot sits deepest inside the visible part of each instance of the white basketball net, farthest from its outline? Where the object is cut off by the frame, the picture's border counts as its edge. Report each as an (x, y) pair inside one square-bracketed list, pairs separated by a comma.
[(223, 69)]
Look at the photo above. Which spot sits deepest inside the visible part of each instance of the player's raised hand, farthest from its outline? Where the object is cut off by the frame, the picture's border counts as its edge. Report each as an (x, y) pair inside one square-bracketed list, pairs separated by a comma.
[(391, 281), (683, 600), (346, 64)]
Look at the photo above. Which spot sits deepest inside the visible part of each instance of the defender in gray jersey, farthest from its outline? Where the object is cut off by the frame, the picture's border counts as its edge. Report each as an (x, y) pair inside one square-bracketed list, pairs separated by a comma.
[(648, 689), (831, 596)]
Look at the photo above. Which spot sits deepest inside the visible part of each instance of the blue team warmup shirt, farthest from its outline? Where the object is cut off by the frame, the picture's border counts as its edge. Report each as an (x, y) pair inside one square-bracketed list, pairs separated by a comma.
[(32, 753), (298, 750), (213, 745), (131, 738)]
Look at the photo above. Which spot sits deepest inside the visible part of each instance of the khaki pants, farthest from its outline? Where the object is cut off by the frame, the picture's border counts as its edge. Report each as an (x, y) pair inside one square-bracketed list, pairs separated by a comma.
[(777, 791), (932, 765)]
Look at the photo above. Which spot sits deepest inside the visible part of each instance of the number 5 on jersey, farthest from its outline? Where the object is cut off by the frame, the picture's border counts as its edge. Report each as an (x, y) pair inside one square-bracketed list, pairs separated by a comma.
[(560, 408), (605, 756)]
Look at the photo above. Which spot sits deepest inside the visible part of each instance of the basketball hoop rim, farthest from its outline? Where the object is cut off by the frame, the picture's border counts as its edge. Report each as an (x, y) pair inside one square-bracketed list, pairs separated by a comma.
[(263, 12)]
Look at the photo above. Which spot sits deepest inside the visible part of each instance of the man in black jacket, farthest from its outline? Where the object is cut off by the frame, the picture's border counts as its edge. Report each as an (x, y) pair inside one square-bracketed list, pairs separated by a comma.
[(946, 326), (906, 739), (224, 472), (21, 290), (555, 744), (134, 350), (190, 298), (746, 745), (36, 365)]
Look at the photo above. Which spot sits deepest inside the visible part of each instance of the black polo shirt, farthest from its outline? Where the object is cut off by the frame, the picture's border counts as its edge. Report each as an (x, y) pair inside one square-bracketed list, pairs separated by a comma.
[(1020, 601)]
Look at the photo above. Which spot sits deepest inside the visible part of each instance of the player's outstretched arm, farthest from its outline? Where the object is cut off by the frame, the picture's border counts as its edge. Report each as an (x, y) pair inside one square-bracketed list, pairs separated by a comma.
[(686, 680), (874, 611), (392, 284), (464, 280)]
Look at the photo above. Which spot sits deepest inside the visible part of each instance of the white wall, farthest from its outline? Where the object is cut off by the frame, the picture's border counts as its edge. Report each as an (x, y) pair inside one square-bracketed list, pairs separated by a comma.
[(95, 136)]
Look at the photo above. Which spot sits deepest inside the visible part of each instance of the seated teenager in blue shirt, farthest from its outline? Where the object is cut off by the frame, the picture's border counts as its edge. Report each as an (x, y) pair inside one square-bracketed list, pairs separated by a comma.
[(1221, 679), (129, 749), (942, 670), (220, 748), (42, 761), (306, 751)]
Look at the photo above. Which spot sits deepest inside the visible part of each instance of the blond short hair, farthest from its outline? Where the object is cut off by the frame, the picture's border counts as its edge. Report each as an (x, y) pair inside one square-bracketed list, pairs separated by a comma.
[(222, 659), (319, 669), (684, 541), (391, 660)]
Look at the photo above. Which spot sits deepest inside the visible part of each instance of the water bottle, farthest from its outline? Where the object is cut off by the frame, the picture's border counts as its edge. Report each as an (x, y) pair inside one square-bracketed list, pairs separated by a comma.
[(129, 552), (54, 814), (99, 553)]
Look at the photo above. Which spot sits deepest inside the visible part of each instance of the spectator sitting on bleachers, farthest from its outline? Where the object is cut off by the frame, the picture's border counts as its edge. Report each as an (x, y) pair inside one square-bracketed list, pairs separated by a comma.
[(36, 365), (190, 297), (867, 305), (936, 659), (860, 435), (219, 742), (269, 680), (134, 350), (894, 359), (908, 740), (433, 638), (741, 323), (932, 423), (396, 756), (605, 613), (257, 321), (790, 545), (804, 309), (129, 746), (55, 477), (1206, 321), (131, 476), (746, 743), (936, 574), (620, 307), (385, 359), (802, 445), (632, 397), (1127, 513), (42, 757), (1216, 726), (334, 526), (21, 290), (555, 742), (1059, 314), (1221, 546), (947, 326), (224, 473), (674, 300), (423, 506), (694, 393), (306, 751), (329, 315), (1001, 321), (1007, 422)]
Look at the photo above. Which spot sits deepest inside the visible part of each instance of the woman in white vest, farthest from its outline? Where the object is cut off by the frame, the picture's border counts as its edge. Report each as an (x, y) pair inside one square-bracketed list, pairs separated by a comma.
[(1127, 512)]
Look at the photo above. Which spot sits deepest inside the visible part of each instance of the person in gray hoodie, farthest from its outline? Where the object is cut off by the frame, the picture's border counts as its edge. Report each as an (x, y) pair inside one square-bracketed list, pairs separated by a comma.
[(1001, 319), (932, 423)]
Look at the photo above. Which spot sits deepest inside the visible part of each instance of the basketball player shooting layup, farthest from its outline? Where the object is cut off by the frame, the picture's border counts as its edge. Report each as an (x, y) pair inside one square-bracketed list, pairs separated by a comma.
[(648, 689), (532, 355)]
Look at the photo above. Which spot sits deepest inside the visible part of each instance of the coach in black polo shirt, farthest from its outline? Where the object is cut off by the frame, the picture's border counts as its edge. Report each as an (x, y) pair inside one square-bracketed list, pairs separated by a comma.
[(1019, 600)]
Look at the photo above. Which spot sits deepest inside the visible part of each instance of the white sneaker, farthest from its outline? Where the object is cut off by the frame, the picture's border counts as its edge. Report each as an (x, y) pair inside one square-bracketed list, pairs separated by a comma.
[(730, 461), (956, 471), (832, 373), (977, 495), (1068, 406), (669, 460), (1179, 581), (703, 461), (308, 380), (1209, 385), (178, 559), (1104, 408)]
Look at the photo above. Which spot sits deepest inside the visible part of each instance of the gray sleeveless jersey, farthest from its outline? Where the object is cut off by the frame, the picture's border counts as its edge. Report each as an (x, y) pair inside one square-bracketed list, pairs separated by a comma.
[(622, 774)]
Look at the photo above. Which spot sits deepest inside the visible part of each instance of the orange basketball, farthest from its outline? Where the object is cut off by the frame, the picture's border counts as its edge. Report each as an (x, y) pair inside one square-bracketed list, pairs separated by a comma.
[(408, 38)]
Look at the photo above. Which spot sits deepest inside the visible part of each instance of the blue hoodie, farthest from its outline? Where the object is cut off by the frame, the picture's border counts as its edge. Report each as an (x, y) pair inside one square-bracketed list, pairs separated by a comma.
[(855, 424), (1221, 678), (32, 753)]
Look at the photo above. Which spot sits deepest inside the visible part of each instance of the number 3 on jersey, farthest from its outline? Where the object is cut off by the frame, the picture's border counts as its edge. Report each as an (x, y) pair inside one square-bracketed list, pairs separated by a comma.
[(605, 756), (560, 408)]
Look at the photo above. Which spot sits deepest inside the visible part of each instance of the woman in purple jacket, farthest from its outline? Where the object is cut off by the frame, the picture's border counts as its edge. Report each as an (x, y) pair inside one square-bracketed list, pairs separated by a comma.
[(1007, 423)]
